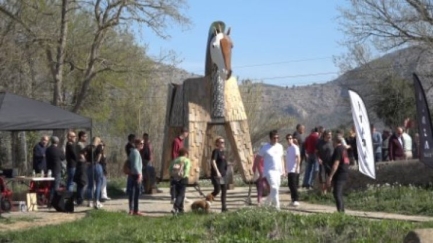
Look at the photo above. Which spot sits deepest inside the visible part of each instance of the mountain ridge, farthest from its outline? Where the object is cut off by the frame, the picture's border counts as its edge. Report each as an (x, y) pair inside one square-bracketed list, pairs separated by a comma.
[(327, 104)]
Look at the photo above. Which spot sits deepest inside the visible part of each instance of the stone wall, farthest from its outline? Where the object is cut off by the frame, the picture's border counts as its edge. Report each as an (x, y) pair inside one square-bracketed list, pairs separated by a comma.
[(401, 172)]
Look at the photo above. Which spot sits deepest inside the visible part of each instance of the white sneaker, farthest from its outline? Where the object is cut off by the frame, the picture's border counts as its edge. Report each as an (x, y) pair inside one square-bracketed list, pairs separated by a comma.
[(90, 204), (294, 204), (98, 205)]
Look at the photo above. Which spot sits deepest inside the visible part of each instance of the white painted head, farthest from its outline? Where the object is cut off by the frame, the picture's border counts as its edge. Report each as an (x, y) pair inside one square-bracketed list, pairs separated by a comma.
[(221, 52)]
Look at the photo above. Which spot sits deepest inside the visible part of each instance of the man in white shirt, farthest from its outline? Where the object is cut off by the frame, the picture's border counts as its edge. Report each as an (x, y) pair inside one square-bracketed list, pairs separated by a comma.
[(273, 166), (407, 145), (293, 160)]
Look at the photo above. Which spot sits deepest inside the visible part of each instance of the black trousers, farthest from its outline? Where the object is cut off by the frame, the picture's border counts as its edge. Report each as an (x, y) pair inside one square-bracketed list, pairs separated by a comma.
[(179, 190), (338, 194), (172, 189), (55, 185), (217, 188), (80, 178), (293, 181)]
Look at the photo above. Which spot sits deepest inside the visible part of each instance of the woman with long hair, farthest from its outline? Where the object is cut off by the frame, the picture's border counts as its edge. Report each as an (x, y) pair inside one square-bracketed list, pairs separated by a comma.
[(93, 154), (103, 162)]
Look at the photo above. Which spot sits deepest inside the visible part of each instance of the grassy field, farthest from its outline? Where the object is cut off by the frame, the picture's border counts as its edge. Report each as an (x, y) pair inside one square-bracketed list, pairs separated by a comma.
[(408, 200), (249, 225)]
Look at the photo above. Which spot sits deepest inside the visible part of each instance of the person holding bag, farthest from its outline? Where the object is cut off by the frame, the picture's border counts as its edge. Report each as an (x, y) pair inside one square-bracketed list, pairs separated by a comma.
[(219, 171), (179, 171)]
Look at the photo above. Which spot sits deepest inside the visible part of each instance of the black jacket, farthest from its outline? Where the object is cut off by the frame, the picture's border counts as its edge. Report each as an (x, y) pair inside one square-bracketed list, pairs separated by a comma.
[(54, 156), (71, 156)]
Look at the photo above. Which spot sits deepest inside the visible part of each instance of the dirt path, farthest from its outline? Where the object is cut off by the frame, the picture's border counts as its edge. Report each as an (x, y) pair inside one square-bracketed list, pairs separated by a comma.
[(159, 205)]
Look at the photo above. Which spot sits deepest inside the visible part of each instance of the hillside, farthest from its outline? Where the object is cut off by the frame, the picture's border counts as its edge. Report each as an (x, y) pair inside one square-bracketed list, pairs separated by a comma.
[(328, 104)]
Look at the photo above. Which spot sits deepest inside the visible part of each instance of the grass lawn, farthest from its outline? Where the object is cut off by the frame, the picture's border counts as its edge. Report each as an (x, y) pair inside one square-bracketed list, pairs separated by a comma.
[(408, 200), (248, 225)]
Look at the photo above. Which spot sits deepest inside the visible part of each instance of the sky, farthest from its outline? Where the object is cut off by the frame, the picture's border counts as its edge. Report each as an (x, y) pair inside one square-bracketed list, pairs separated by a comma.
[(277, 42)]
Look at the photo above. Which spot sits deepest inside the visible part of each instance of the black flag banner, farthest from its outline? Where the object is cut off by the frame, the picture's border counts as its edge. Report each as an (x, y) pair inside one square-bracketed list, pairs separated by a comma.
[(424, 124)]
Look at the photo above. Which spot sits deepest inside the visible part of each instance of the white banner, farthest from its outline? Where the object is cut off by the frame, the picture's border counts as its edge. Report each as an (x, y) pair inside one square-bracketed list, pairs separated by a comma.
[(364, 141)]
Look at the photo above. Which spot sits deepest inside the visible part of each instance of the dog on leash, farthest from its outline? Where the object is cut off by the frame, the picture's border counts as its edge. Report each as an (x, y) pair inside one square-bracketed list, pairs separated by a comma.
[(203, 205)]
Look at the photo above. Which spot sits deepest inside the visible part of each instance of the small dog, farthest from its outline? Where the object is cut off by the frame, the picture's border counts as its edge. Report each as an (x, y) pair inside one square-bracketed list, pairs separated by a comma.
[(203, 205)]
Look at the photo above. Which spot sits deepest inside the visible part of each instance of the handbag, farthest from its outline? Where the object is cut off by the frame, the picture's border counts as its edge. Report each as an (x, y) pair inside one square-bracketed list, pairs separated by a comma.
[(126, 167)]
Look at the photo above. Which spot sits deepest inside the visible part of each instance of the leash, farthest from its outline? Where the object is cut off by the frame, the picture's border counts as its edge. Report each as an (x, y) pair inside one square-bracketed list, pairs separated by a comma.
[(197, 188), (248, 200)]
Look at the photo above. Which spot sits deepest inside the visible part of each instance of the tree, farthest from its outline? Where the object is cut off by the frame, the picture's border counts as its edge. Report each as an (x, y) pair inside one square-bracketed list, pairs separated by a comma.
[(383, 26), (395, 101), (107, 16), (84, 56), (261, 119), (387, 25)]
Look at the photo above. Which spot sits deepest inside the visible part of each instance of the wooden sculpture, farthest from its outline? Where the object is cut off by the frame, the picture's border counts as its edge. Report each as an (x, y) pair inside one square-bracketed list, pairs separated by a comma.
[(202, 103)]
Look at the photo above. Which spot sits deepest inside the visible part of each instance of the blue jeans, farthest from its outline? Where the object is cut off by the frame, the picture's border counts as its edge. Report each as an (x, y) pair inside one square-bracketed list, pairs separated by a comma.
[(97, 180), (377, 157), (149, 178), (70, 181), (128, 184), (133, 193), (310, 171)]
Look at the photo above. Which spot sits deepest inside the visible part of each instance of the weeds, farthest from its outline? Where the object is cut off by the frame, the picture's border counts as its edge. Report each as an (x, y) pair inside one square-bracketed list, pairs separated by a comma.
[(247, 225), (392, 198)]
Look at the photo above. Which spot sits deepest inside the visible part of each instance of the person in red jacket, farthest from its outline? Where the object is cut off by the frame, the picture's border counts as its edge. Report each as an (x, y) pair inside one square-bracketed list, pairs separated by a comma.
[(310, 152), (396, 151)]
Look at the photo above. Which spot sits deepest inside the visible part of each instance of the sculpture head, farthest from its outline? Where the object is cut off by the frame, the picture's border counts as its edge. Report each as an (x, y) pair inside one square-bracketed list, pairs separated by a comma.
[(221, 52)]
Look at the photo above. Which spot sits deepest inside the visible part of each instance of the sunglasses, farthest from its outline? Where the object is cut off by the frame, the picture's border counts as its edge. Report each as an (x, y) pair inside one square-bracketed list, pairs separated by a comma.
[(289, 138), (276, 138)]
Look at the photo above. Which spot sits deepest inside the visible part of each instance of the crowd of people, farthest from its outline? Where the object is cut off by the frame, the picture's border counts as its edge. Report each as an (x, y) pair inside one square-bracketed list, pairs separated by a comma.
[(178, 169), (86, 166), (323, 155), (326, 157)]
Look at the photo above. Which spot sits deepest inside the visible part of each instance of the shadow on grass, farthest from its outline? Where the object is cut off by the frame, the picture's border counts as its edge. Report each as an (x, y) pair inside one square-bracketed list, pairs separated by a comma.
[(115, 189)]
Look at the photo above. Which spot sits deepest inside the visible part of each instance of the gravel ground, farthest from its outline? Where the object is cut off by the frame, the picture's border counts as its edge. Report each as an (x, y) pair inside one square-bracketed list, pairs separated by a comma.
[(159, 205)]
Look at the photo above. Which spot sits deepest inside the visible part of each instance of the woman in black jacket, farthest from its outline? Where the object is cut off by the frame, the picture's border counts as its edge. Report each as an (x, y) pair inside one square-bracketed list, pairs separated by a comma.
[(218, 172)]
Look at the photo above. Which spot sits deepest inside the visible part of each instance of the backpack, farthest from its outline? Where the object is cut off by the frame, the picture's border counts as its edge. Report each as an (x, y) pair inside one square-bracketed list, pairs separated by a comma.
[(126, 167), (177, 171)]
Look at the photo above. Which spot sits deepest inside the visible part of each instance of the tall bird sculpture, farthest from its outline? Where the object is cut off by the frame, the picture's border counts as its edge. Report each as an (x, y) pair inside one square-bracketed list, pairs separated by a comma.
[(202, 103)]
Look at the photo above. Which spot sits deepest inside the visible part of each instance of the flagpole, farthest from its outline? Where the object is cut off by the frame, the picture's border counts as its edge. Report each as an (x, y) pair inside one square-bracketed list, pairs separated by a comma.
[(364, 142), (424, 123)]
